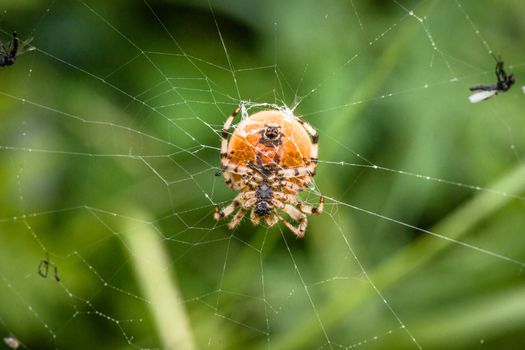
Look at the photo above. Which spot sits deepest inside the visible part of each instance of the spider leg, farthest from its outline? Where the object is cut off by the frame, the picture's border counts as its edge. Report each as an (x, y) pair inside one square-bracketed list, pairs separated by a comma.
[(302, 206), (288, 185), (229, 181), (237, 219), (284, 197), (250, 203), (224, 133), (308, 170), (295, 214), (219, 214), (245, 200), (225, 164), (271, 220), (242, 170), (248, 181), (256, 220), (312, 162), (298, 231), (308, 209), (240, 200), (14, 49)]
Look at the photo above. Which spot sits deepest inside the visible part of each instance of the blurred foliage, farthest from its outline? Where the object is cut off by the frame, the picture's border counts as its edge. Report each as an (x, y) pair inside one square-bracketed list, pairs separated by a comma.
[(115, 120)]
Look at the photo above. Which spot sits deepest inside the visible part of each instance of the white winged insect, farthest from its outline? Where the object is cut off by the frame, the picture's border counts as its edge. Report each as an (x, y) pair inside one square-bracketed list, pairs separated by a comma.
[(504, 83)]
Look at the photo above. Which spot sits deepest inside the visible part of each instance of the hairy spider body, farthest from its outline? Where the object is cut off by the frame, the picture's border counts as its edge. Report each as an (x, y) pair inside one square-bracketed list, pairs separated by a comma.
[(270, 157)]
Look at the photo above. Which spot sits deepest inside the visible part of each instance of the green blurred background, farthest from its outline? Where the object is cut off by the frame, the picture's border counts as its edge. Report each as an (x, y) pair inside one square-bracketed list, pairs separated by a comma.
[(109, 131)]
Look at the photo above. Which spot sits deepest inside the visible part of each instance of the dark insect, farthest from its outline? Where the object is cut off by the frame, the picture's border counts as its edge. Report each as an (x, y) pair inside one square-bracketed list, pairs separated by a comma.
[(9, 54), (43, 268), (503, 84)]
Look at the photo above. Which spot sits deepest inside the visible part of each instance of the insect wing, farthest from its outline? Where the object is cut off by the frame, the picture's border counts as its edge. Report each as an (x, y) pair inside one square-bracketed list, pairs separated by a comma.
[(25, 47), (482, 96)]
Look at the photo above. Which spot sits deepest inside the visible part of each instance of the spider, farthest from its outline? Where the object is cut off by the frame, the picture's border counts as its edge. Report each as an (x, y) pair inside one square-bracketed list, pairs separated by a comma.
[(270, 157), (8, 55), (503, 84)]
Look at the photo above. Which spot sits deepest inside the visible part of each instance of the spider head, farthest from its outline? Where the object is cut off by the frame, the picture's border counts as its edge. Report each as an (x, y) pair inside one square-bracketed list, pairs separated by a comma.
[(262, 209)]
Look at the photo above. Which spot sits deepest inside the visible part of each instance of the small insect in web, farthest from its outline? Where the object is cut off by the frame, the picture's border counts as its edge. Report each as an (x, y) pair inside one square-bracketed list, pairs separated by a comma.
[(43, 268), (503, 84), (12, 342), (270, 157), (9, 54)]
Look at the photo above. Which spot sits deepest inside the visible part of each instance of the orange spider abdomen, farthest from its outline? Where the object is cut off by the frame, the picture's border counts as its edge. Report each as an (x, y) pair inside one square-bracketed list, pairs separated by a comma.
[(294, 147)]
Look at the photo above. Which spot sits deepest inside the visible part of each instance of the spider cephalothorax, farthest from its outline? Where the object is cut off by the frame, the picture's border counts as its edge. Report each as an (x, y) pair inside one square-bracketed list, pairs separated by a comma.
[(264, 192), (270, 157)]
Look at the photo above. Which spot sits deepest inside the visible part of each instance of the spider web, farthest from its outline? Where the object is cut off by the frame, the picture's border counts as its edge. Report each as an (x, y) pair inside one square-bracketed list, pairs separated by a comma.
[(110, 143)]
